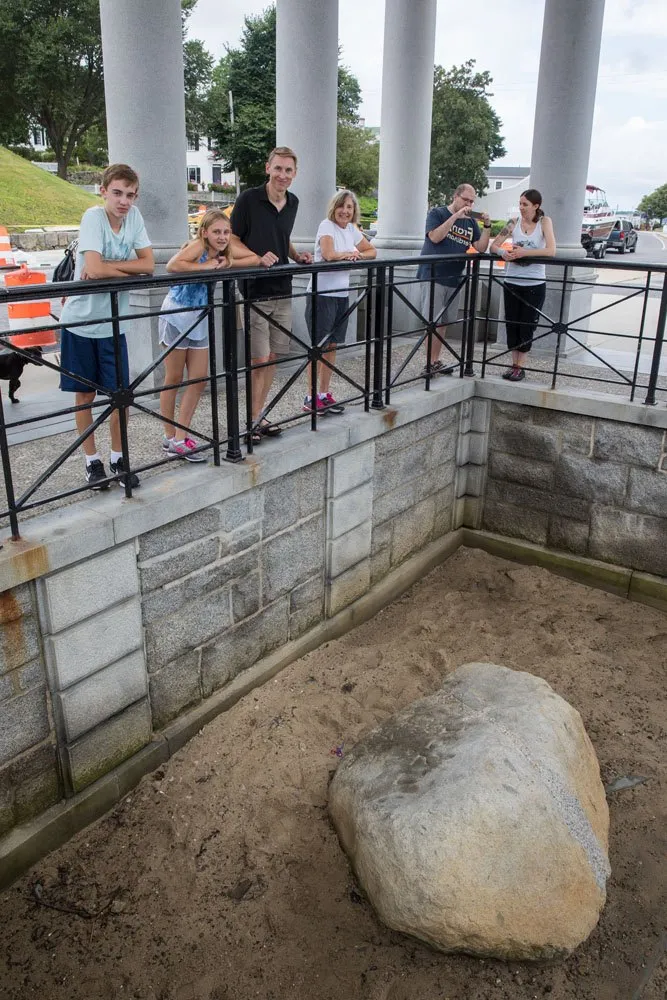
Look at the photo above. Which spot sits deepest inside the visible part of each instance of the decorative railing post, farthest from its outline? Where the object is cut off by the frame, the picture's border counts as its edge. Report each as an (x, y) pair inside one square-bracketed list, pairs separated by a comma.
[(378, 347), (231, 361), (120, 401), (657, 347)]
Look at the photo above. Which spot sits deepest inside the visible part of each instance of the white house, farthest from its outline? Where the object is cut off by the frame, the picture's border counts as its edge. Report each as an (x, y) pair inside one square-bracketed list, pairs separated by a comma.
[(503, 177), (203, 167), (504, 185)]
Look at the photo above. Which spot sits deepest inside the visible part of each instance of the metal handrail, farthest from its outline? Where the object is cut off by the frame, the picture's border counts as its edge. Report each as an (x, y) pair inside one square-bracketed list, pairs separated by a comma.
[(382, 289)]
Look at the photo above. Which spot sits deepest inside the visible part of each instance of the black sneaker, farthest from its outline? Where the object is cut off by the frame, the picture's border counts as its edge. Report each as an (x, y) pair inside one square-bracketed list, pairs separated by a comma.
[(118, 469), (95, 475)]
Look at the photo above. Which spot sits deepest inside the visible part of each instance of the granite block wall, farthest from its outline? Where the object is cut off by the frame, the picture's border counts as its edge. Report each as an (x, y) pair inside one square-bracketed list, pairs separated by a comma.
[(223, 587), (414, 488), (29, 767), (587, 485)]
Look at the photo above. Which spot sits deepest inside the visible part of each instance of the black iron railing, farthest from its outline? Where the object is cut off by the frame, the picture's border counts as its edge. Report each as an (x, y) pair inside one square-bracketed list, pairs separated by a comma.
[(383, 286)]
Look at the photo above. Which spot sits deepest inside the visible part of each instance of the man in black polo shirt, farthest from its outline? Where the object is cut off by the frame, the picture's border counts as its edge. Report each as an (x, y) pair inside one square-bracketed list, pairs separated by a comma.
[(262, 222)]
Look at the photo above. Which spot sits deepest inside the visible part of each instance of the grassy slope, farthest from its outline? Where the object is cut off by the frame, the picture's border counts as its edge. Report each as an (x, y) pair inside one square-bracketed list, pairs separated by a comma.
[(30, 196)]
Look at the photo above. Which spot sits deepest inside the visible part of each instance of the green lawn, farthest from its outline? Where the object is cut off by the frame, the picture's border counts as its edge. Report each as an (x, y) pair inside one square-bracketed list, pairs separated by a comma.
[(30, 196)]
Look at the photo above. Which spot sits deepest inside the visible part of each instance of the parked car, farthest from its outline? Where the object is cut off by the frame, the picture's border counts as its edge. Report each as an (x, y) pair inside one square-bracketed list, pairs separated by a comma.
[(622, 237)]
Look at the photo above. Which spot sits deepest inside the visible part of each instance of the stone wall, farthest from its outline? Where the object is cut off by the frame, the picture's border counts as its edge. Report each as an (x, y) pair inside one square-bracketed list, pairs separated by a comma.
[(414, 489), (124, 624), (583, 484), (90, 618), (29, 770), (52, 240), (222, 588)]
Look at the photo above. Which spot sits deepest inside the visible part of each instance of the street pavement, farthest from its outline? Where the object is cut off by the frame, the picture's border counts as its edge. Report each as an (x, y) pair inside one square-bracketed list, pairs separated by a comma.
[(651, 249)]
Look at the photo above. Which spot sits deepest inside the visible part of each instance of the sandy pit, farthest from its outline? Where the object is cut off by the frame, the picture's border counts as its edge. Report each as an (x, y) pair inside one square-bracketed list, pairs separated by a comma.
[(221, 878)]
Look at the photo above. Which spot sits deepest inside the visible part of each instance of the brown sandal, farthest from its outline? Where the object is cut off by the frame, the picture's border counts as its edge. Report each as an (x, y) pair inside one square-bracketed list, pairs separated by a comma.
[(269, 430)]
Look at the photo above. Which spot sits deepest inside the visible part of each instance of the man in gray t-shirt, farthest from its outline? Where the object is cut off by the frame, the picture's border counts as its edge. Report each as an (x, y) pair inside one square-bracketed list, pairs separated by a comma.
[(449, 230)]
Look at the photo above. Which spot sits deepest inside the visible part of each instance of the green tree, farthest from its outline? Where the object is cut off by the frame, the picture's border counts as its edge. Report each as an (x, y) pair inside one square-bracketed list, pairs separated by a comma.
[(357, 148), (52, 68), (349, 97), (197, 76), (94, 147), (249, 72), (655, 204), (357, 158), (51, 74), (187, 6), (465, 134)]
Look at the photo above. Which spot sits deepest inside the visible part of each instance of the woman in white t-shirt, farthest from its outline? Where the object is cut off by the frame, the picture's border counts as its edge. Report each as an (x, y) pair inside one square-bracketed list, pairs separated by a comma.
[(338, 238), (525, 283)]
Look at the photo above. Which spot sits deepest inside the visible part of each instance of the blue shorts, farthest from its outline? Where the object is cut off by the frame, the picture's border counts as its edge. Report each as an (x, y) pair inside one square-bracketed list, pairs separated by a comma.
[(92, 358)]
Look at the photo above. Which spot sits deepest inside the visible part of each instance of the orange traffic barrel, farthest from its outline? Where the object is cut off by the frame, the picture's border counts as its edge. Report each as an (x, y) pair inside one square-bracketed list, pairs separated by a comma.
[(6, 255), (25, 314)]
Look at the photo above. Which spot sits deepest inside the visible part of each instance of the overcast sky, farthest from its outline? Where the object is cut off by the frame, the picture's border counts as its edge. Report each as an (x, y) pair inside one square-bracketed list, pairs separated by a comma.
[(629, 147)]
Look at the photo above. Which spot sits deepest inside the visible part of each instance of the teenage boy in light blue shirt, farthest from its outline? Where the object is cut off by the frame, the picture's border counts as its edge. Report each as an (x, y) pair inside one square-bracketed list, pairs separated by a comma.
[(113, 243)]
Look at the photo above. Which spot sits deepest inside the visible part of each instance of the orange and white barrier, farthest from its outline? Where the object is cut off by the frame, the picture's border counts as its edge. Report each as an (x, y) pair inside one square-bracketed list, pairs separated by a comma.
[(26, 314), (6, 255)]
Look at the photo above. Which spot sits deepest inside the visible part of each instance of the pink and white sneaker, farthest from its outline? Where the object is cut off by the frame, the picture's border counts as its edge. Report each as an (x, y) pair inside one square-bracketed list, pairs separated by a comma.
[(187, 449), (307, 407), (330, 403)]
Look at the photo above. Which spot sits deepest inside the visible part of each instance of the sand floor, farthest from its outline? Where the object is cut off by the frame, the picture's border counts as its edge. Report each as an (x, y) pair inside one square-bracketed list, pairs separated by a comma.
[(221, 878)]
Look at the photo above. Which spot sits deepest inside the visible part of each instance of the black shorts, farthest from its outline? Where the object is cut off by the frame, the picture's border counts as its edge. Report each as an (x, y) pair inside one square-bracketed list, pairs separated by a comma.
[(331, 324)]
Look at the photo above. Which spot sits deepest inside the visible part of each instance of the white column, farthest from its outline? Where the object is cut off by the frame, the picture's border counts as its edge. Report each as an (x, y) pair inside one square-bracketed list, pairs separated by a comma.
[(564, 113), (306, 103), (405, 131), (142, 46)]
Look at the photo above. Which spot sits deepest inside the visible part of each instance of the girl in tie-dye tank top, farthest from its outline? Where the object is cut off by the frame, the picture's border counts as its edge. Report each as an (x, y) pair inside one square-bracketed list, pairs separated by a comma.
[(186, 331)]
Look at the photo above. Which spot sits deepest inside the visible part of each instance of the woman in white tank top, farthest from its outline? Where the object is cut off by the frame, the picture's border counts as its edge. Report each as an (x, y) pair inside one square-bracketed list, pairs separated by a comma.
[(525, 283)]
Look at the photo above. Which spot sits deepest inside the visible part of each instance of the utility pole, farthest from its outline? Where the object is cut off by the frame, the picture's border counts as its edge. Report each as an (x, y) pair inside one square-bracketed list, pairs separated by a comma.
[(231, 118)]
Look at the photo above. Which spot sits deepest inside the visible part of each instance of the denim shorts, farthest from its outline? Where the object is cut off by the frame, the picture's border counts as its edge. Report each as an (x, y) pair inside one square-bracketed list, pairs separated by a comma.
[(331, 326), (92, 358), (169, 334)]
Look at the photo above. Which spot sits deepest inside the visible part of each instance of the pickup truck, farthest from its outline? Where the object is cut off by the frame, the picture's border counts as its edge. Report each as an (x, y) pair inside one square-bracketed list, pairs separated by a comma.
[(622, 237)]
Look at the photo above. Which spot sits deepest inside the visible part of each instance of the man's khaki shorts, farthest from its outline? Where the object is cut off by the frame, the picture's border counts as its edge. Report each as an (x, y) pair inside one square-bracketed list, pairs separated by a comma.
[(265, 337), (447, 301)]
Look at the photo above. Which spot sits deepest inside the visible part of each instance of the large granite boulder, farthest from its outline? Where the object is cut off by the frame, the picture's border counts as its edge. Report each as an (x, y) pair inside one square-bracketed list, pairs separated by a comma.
[(475, 818)]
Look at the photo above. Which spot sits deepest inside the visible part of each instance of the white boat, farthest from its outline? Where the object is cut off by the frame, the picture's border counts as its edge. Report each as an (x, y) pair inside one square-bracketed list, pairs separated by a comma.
[(598, 219)]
